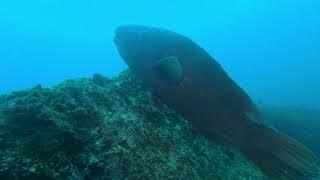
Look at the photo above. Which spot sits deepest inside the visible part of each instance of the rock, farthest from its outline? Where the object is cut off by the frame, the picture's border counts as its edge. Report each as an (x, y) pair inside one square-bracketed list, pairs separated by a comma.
[(105, 128), (100, 80)]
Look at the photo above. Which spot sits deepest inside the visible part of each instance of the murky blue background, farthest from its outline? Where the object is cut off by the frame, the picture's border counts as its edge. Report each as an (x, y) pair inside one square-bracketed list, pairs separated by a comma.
[(271, 48)]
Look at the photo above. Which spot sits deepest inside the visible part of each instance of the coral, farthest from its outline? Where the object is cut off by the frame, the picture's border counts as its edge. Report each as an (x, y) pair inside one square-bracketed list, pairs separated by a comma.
[(103, 128)]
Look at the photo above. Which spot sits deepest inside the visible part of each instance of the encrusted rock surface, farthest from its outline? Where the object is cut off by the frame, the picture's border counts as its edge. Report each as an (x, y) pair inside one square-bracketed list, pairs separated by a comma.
[(103, 128)]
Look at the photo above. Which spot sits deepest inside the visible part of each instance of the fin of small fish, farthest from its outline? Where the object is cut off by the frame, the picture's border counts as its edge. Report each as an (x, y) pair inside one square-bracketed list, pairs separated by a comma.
[(170, 70)]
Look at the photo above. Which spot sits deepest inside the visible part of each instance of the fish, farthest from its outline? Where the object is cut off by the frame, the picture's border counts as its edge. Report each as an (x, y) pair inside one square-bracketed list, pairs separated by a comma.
[(169, 69), (184, 77)]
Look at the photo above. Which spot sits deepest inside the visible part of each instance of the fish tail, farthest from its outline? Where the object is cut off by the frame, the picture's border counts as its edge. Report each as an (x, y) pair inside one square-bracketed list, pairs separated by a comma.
[(277, 154)]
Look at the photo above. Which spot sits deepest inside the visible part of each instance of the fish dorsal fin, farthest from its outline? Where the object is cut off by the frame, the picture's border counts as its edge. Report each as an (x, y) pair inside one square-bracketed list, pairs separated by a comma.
[(170, 70)]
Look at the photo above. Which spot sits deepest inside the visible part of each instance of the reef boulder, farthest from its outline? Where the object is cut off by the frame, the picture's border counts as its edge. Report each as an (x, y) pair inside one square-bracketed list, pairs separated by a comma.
[(102, 128)]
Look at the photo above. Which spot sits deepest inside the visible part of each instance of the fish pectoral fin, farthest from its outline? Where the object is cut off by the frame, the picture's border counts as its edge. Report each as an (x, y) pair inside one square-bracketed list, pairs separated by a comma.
[(155, 101), (170, 70)]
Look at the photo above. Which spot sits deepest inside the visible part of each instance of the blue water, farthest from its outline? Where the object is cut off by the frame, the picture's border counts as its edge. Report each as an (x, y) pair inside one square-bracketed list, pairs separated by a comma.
[(271, 48)]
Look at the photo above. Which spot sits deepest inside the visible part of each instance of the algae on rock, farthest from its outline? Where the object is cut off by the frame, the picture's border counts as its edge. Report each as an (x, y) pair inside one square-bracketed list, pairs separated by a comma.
[(105, 128)]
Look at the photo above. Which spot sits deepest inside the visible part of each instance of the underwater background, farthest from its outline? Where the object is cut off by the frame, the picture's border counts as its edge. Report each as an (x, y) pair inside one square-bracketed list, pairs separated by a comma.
[(270, 48), (70, 109)]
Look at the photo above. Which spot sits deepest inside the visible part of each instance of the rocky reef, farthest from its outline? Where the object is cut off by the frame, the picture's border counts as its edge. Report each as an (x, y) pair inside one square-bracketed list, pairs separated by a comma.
[(102, 128)]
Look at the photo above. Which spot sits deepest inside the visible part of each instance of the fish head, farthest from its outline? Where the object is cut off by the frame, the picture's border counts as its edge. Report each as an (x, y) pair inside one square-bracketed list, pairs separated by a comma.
[(159, 58), (142, 47)]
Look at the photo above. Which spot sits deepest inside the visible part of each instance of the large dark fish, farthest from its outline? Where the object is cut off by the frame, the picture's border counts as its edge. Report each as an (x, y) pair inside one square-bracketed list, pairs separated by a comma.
[(299, 122), (187, 79)]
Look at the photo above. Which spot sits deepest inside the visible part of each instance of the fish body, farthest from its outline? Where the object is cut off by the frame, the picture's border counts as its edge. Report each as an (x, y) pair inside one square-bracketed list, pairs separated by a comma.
[(194, 84)]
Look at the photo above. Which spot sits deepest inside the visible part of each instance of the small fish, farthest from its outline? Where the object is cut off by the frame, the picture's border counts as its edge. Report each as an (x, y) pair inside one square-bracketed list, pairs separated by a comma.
[(184, 77)]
